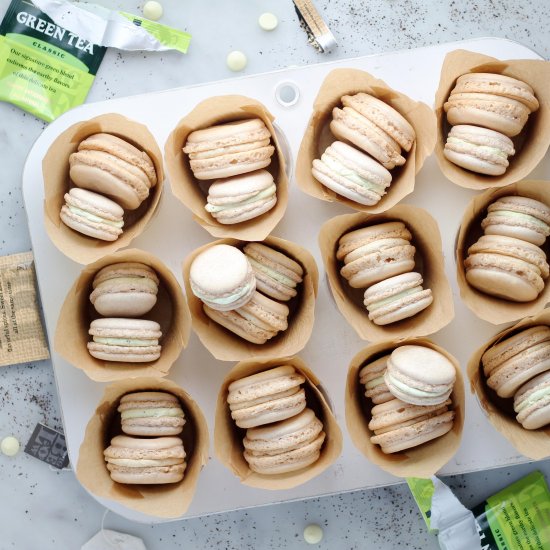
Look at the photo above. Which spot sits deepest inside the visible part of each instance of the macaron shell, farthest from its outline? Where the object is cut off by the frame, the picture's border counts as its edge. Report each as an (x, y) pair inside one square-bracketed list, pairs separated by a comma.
[(384, 116), (125, 304), (536, 418), (247, 212), (124, 354), (532, 402), (148, 476), (401, 309), (471, 162), (503, 277)]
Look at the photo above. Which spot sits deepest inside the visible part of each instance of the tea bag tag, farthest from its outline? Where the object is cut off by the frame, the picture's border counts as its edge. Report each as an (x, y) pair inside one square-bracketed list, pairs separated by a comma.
[(106, 539)]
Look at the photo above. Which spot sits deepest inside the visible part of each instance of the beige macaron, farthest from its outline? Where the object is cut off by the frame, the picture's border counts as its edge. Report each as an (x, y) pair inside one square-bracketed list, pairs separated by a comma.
[(285, 446), (265, 397), (372, 377), (145, 461)]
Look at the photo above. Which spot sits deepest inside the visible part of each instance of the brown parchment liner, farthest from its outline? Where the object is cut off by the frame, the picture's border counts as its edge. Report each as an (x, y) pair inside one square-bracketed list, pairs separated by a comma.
[(225, 345), (489, 308), (228, 437), (422, 461), (163, 501), (429, 263), (317, 138), (189, 190), (77, 312), (534, 444), (55, 170), (531, 144)]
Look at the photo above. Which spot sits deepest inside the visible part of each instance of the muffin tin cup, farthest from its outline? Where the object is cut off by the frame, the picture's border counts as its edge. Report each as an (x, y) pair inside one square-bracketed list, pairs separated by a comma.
[(192, 192), (55, 169), (489, 308), (429, 263), (163, 501), (422, 461), (317, 137), (532, 143), (227, 346), (534, 444), (228, 436), (170, 311)]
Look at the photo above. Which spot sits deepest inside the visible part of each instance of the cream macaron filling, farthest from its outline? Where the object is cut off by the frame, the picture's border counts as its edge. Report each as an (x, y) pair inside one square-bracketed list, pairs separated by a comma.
[(151, 413), (481, 148), (521, 216), (223, 300), (533, 399), (126, 342), (264, 194), (400, 295), (93, 217), (132, 281), (279, 277), (412, 391), (342, 170)]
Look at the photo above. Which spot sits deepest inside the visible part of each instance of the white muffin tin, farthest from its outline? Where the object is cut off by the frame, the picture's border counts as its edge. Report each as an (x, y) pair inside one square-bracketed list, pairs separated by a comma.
[(172, 234)]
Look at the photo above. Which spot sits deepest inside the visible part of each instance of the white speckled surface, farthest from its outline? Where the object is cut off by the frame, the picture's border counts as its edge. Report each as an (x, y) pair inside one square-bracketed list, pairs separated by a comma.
[(387, 518)]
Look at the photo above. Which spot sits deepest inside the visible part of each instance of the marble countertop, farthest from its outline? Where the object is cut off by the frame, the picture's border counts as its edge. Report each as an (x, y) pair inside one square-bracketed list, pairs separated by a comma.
[(32, 517)]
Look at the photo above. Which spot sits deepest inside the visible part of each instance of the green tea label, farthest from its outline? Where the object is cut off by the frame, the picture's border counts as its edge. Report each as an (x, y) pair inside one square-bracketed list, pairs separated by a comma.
[(44, 68)]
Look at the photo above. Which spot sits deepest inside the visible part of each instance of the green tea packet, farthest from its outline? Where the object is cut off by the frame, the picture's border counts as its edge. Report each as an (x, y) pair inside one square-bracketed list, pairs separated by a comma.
[(47, 68), (516, 518)]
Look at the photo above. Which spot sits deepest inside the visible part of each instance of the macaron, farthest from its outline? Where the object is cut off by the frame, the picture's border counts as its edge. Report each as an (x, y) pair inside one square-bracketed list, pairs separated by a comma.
[(419, 375), (127, 289), (109, 165), (285, 446), (507, 268), (515, 360), (240, 198), (497, 84), (266, 397), (259, 320), (532, 402), (151, 413), (494, 101), (374, 127), (125, 340), (145, 461), (229, 149), (277, 275), (399, 426), (520, 217), (375, 253), (352, 174), (222, 278), (479, 149), (397, 298), (372, 377), (92, 215)]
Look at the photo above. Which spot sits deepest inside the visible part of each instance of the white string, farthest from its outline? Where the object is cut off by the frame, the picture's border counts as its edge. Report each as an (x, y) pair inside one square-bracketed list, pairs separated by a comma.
[(104, 533)]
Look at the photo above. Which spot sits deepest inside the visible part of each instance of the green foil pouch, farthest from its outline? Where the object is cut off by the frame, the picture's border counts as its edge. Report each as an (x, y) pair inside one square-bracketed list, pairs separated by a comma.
[(44, 69)]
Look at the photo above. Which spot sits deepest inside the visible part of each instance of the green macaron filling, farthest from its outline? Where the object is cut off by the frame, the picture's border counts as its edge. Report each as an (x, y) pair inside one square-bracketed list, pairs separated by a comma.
[(151, 413), (490, 150), (411, 391), (522, 216), (533, 399), (93, 218), (226, 300), (127, 342), (342, 170), (404, 293), (270, 191), (279, 277)]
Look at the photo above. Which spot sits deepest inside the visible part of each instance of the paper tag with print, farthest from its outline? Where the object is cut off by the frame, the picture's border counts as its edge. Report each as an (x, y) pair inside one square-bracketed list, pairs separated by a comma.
[(48, 445)]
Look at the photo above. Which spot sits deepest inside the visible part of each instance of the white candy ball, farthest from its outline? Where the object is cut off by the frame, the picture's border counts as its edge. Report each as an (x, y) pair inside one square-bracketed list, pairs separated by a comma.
[(153, 10), (313, 534), (236, 61), (9, 446)]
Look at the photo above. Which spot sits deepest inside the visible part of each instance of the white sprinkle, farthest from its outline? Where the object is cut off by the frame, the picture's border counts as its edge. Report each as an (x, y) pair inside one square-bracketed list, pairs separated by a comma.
[(236, 61), (313, 534), (153, 10), (9, 446), (268, 21)]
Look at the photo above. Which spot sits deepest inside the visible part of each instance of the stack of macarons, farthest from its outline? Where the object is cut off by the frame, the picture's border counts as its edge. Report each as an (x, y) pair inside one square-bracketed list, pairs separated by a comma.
[(485, 111), (282, 434), (235, 156), (157, 455), (121, 292), (519, 367), (244, 291), (410, 389), (110, 175), (507, 261), (380, 258), (379, 134)]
